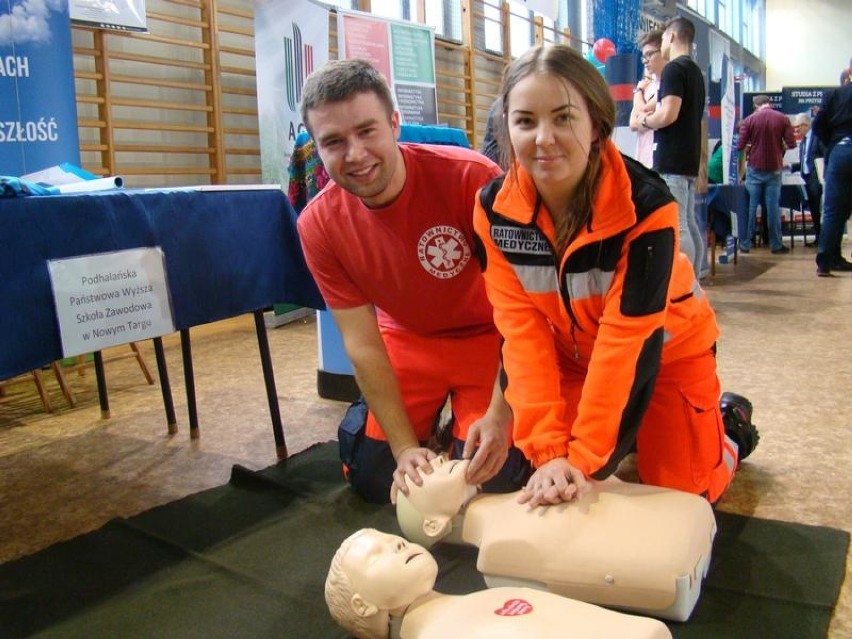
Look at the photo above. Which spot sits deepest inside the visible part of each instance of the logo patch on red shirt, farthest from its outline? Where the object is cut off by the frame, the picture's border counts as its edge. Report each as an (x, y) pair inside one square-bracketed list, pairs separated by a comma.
[(443, 251), (514, 608)]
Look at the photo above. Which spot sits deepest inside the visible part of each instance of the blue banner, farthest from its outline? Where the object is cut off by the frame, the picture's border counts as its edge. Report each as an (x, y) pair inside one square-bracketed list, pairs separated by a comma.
[(803, 99), (38, 109)]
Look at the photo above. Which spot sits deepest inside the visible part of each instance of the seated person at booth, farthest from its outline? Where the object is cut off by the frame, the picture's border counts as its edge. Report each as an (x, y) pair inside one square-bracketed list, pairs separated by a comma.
[(641, 548), (390, 245), (379, 586)]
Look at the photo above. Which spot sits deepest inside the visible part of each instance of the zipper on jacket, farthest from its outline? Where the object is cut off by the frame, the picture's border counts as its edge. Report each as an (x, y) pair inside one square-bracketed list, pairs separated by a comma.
[(574, 341), (649, 259), (566, 302)]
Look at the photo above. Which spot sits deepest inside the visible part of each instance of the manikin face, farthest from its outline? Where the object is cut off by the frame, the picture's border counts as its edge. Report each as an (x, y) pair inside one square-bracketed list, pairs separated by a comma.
[(387, 571), (357, 144), (551, 133), (444, 491), (425, 514)]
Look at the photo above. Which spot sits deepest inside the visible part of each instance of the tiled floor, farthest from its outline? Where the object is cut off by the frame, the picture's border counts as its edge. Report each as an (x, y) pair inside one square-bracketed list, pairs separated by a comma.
[(786, 344)]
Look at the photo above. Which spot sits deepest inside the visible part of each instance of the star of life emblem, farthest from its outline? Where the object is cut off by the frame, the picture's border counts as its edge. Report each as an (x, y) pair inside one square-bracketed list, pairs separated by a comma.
[(443, 251)]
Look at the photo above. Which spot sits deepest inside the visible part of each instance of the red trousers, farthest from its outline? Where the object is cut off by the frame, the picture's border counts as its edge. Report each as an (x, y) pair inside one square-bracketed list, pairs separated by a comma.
[(430, 369)]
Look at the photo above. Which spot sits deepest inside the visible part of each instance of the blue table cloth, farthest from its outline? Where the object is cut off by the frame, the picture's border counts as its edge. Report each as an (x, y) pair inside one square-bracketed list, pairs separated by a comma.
[(227, 253)]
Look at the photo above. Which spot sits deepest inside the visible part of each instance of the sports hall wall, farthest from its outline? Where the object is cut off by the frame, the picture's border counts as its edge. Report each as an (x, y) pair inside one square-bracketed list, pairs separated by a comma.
[(808, 42), (178, 105)]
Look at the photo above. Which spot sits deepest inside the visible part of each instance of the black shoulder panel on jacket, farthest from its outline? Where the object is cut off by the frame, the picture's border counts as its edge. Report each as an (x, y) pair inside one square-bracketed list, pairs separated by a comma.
[(649, 190), (489, 193), (479, 252)]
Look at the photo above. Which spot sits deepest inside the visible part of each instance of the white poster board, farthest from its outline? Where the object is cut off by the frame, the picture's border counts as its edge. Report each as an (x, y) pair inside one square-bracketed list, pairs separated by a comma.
[(110, 298), (120, 15), (290, 41), (729, 121), (403, 52)]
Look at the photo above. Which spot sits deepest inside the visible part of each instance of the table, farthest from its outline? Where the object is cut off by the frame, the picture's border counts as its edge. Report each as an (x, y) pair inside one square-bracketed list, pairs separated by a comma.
[(734, 198), (227, 253)]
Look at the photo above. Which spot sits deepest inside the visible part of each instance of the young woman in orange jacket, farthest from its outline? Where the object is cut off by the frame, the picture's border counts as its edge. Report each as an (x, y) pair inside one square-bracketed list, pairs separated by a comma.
[(609, 339)]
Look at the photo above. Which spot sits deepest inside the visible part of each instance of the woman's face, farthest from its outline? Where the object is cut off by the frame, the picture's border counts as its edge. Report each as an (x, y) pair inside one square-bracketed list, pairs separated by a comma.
[(551, 132)]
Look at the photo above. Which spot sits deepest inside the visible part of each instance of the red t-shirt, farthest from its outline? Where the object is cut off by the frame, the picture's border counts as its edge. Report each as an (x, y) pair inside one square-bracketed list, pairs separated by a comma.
[(413, 259)]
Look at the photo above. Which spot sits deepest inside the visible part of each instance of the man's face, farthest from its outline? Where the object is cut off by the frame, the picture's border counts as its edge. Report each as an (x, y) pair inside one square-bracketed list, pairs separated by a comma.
[(356, 141), (665, 47), (802, 128)]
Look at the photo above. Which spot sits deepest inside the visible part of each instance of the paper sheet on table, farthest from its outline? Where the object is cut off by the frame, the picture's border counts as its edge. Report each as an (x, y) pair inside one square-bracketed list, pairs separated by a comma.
[(68, 178)]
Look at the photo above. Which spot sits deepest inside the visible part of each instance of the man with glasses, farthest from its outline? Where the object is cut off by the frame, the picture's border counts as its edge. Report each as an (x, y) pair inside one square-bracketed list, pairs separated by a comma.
[(677, 131), (645, 95)]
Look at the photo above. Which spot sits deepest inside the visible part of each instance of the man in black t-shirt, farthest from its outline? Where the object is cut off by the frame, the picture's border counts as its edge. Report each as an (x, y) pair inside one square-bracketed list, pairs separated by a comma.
[(677, 131)]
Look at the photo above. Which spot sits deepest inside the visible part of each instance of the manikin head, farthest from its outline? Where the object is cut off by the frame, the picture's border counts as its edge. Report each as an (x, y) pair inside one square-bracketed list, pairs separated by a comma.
[(426, 514), (373, 574)]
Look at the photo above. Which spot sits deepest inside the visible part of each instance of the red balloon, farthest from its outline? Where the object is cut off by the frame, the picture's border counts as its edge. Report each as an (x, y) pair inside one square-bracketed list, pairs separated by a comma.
[(603, 49)]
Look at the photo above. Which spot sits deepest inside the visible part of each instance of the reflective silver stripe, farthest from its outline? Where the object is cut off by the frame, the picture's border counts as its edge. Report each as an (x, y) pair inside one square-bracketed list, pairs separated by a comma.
[(729, 458), (591, 283), (666, 336), (537, 279)]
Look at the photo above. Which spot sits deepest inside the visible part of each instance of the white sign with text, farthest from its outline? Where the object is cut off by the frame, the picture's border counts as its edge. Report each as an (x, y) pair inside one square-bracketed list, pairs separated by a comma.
[(111, 298)]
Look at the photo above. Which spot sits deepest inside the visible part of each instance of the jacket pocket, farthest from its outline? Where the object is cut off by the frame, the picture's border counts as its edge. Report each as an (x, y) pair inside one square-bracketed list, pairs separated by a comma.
[(701, 404)]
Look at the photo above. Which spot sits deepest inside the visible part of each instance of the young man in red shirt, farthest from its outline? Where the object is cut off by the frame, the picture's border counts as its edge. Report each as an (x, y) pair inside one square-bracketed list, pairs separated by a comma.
[(390, 244)]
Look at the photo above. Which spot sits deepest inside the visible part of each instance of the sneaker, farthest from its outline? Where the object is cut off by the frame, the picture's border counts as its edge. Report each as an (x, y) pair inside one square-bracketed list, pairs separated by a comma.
[(744, 250), (841, 265), (823, 272), (736, 414), (780, 251)]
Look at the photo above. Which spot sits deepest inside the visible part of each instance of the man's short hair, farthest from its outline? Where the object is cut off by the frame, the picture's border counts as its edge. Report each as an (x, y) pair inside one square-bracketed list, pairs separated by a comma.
[(682, 28), (760, 100), (340, 80), (653, 37)]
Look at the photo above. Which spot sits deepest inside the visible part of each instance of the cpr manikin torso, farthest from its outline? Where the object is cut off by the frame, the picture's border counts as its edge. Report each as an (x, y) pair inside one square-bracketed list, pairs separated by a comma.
[(374, 573), (641, 548)]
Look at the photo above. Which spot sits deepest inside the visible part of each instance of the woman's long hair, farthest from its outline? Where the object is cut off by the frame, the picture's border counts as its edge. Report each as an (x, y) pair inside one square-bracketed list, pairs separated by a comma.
[(563, 62)]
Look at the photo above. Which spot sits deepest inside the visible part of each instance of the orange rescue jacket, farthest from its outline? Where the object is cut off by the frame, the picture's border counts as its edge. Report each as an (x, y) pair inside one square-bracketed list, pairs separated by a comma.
[(620, 302)]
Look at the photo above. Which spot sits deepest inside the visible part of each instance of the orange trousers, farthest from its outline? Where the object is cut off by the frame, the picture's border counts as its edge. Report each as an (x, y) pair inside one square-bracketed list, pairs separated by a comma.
[(430, 369), (681, 442)]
